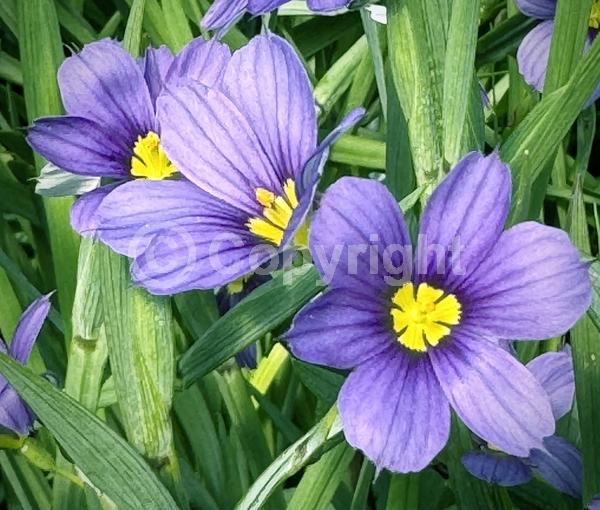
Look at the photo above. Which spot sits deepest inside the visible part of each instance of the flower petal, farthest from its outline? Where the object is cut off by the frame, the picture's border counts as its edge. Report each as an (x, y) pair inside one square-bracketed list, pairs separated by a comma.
[(340, 329), (541, 9), (268, 83), (104, 83), (201, 61), (466, 212), (532, 286), (499, 469), (327, 5), (155, 63), (29, 327), (202, 256), (84, 217), (492, 393), (222, 13), (533, 55), (214, 146), (560, 464), (358, 238), (263, 6), (80, 146), (139, 210), (310, 176), (393, 409), (14, 413), (554, 371)]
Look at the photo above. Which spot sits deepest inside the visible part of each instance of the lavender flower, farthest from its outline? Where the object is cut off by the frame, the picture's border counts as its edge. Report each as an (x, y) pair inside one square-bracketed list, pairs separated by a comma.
[(224, 13), (111, 130), (249, 150), (558, 462), (424, 336), (534, 51), (14, 413)]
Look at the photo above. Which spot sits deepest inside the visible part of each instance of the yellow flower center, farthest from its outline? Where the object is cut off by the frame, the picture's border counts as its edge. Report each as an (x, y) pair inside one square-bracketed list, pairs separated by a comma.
[(425, 318), (149, 159), (277, 213), (595, 15)]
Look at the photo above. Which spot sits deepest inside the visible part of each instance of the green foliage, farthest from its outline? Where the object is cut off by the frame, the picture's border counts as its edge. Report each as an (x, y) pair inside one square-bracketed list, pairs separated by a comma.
[(140, 402)]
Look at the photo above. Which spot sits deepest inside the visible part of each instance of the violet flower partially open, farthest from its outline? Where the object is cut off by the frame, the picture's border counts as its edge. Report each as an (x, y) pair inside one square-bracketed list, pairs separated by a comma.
[(14, 413)]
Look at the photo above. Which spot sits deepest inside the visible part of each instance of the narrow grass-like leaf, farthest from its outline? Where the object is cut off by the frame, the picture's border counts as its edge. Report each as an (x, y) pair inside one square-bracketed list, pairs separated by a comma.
[(339, 77), (503, 39), (133, 31), (320, 481), (416, 43), (586, 359), (357, 150), (141, 351), (27, 482), (266, 308), (403, 492), (571, 25), (291, 461), (458, 73), (105, 458), (88, 356), (41, 53), (536, 139)]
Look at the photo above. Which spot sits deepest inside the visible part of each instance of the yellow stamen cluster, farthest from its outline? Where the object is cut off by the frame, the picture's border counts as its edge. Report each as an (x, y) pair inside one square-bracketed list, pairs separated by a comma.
[(277, 213), (424, 318), (595, 15), (149, 159)]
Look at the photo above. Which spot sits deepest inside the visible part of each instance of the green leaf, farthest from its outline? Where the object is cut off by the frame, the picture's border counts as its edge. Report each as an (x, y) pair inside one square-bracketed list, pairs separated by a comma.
[(503, 39), (263, 310), (535, 141), (141, 351), (458, 74), (361, 151), (586, 360), (417, 32), (99, 452), (41, 53), (403, 492), (133, 31), (292, 460), (320, 480)]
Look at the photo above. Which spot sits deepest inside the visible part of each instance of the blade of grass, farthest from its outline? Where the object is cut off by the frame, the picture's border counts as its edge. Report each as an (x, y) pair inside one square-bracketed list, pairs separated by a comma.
[(103, 456)]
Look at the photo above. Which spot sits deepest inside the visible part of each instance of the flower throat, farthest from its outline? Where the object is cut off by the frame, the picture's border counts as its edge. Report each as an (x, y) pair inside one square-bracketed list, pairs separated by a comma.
[(149, 159), (424, 319)]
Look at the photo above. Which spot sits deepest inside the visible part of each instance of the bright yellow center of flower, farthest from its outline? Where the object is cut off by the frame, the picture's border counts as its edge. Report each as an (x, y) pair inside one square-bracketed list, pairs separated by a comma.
[(425, 318), (595, 16), (277, 213), (149, 159)]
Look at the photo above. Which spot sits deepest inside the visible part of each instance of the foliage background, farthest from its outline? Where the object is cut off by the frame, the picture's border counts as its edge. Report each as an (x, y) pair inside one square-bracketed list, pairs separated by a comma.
[(120, 423)]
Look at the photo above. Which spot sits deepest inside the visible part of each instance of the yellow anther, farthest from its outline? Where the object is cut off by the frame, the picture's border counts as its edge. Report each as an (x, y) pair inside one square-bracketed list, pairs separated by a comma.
[(595, 15), (149, 159), (425, 318), (277, 213)]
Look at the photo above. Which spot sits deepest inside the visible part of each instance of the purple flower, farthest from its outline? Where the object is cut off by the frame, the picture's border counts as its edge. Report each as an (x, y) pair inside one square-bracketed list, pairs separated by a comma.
[(425, 335), (249, 151), (558, 461), (534, 51), (111, 129), (224, 13), (14, 413)]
